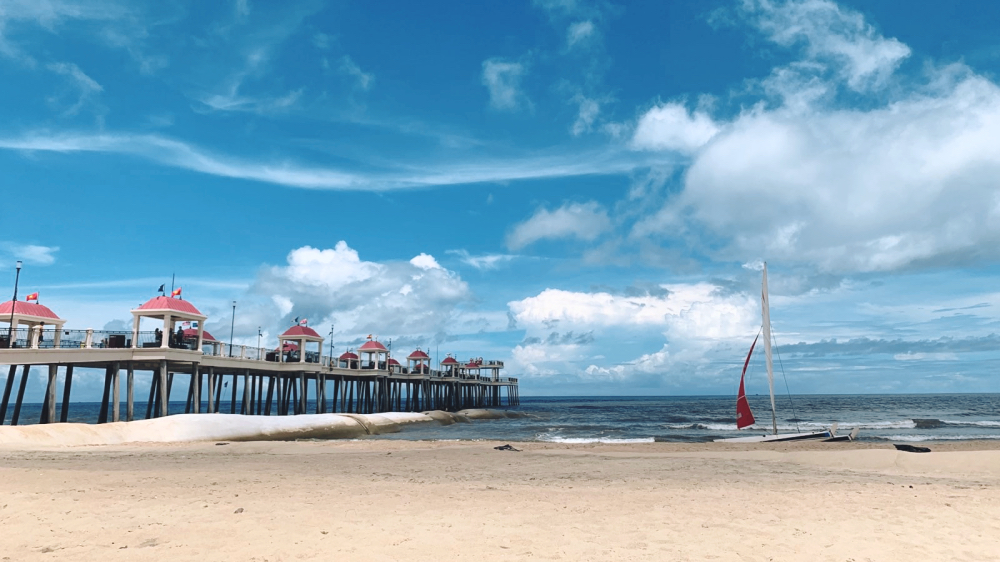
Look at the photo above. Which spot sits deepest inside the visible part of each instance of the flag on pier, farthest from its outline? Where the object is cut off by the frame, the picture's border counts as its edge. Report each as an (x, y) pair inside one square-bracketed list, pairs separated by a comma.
[(176, 292), (160, 290), (369, 336), (303, 322), (31, 297)]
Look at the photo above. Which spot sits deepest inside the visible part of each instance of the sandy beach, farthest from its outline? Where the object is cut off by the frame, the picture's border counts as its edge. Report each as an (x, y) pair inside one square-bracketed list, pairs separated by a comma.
[(410, 500)]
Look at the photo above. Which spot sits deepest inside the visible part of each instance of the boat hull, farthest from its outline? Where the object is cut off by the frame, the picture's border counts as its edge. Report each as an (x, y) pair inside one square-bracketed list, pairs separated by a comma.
[(814, 435)]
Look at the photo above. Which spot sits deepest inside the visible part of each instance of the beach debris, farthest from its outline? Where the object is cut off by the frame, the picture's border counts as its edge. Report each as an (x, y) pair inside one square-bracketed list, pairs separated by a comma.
[(507, 448), (222, 443), (911, 448), (238, 510)]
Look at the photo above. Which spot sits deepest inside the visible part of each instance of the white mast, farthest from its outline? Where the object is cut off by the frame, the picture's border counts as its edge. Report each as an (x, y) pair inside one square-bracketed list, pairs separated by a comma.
[(766, 315)]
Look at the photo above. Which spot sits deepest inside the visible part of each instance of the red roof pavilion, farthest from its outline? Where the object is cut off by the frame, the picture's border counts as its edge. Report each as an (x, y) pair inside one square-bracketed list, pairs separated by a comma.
[(21, 308), (372, 345)]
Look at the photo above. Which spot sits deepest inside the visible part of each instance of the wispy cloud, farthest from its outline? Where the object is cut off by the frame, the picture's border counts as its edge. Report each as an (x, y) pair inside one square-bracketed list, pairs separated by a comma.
[(483, 262), (503, 80), (176, 153), (30, 253), (363, 80), (85, 85)]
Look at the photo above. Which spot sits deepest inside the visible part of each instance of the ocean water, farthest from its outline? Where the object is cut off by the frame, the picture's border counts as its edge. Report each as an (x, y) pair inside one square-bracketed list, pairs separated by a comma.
[(912, 417)]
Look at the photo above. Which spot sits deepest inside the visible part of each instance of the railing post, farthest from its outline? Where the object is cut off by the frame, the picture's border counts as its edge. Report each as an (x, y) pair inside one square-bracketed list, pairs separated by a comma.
[(89, 341), (243, 352)]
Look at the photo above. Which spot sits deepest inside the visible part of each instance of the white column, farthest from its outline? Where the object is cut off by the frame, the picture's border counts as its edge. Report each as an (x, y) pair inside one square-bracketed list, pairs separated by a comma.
[(57, 338), (201, 334), (89, 342), (165, 338), (35, 332), (135, 330), (302, 351)]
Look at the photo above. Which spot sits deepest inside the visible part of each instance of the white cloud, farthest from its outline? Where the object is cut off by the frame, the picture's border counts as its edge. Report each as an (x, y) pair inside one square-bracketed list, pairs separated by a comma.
[(908, 179), (579, 32), (671, 127), (584, 221), (832, 34), (30, 253), (695, 319), (350, 68), (503, 80), (425, 262), (415, 299)]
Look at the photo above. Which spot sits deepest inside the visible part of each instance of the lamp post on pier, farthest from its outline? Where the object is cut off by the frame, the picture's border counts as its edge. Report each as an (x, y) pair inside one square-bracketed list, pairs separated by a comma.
[(232, 327), (331, 344), (13, 305)]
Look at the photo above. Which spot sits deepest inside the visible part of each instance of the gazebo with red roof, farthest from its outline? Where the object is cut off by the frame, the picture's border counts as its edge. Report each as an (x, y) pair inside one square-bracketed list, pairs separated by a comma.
[(374, 350), (299, 335), (30, 314), (350, 359), (418, 361), (206, 338), (170, 310), (394, 366), (450, 365)]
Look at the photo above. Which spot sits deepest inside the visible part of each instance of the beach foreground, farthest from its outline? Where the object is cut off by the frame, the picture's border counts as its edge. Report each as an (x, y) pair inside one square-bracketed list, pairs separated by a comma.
[(407, 500)]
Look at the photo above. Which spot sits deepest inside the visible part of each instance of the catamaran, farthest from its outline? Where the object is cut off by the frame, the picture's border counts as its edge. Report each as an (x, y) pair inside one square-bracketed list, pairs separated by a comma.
[(744, 416)]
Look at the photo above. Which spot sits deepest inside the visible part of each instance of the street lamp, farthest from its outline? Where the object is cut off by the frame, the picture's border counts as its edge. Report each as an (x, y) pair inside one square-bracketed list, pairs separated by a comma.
[(232, 327), (13, 305), (331, 344)]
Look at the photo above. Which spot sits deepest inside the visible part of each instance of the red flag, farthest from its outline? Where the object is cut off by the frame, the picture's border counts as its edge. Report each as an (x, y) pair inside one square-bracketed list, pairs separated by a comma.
[(304, 322), (31, 297), (744, 417), (176, 292)]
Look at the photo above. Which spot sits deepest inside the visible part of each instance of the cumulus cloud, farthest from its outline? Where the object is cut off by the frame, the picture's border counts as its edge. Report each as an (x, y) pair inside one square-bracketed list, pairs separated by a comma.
[(584, 221), (416, 298), (908, 179), (694, 319), (503, 80), (671, 126)]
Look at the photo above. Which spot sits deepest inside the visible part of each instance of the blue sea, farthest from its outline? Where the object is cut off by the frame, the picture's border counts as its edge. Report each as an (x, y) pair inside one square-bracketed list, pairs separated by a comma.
[(911, 417)]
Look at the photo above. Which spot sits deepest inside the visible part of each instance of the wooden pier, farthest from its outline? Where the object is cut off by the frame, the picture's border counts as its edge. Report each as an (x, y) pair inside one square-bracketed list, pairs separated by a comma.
[(271, 382)]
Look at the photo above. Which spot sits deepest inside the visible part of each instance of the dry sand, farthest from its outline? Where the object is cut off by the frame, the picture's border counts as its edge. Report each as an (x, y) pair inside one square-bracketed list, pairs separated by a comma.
[(382, 499)]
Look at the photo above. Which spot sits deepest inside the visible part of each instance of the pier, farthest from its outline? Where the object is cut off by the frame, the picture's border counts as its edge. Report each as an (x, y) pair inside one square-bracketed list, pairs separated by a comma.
[(226, 378)]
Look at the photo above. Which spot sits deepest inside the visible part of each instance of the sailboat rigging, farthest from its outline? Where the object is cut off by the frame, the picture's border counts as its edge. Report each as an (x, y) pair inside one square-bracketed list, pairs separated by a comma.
[(744, 416)]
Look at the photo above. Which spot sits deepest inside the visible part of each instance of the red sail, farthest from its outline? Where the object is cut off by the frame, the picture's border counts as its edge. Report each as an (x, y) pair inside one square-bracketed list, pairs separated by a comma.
[(744, 417)]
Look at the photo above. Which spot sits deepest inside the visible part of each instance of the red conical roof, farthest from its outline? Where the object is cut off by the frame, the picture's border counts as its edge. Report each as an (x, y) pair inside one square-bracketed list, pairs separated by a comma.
[(301, 331), (169, 303), (347, 355), (418, 355), (372, 345), (393, 362), (205, 336), (28, 309), (449, 361)]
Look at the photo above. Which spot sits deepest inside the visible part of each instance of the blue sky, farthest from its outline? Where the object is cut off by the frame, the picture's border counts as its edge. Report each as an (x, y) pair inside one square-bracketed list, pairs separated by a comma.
[(585, 190)]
